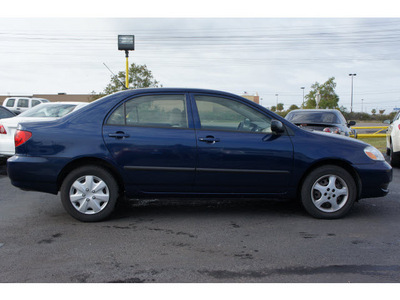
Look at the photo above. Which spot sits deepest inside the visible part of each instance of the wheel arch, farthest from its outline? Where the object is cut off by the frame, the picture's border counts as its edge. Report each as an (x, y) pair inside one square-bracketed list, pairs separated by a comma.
[(85, 161), (336, 162)]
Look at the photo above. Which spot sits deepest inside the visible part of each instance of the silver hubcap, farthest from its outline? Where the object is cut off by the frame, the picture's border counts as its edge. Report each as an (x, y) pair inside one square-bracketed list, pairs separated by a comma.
[(89, 194), (329, 193)]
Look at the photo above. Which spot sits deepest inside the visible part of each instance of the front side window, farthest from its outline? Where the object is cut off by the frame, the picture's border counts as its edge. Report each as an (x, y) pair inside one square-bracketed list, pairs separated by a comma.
[(10, 103), (23, 103), (217, 113), (152, 111)]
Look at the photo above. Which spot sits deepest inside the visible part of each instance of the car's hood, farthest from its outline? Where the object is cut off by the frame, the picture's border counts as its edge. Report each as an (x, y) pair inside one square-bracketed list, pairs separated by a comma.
[(337, 136)]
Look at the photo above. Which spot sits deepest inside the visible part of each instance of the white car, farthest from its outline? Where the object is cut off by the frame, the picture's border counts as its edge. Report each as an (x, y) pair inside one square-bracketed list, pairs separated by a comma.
[(42, 112), (393, 140), (21, 104)]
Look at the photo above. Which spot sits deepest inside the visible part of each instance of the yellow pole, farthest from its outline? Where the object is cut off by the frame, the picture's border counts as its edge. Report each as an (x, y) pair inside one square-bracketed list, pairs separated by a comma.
[(127, 70)]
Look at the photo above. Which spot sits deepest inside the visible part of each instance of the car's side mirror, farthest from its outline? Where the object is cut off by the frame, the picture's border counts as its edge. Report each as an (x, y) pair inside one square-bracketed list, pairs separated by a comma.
[(351, 123), (277, 127), (387, 122)]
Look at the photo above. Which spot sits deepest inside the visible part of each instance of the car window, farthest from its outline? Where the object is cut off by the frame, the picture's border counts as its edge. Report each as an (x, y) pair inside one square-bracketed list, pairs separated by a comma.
[(49, 110), (154, 111), (217, 113), (10, 103), (313, 117), (5, 114), (35, 102), (23, 102)]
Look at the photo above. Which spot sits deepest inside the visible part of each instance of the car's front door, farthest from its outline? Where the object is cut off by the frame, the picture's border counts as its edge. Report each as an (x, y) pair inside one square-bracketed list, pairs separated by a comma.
[(237, 152), (152, 138)]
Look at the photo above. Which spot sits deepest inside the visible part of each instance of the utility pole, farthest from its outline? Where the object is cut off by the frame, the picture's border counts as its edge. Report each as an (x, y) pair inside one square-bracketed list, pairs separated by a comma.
[(302, 106)]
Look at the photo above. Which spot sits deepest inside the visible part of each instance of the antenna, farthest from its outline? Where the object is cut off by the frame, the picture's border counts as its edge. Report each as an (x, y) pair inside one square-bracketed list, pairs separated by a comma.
[(123, 85)]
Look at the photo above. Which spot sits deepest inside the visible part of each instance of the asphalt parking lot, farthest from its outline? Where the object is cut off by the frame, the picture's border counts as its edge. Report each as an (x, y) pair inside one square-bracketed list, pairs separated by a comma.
[(197, 241)]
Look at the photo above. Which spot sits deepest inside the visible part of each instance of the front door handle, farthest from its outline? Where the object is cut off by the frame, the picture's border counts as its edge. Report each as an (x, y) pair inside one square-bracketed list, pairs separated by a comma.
[(209, 139), (119, 135)]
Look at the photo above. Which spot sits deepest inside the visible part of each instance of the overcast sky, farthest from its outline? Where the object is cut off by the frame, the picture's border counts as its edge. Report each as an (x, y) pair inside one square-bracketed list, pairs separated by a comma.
[(267, 56)]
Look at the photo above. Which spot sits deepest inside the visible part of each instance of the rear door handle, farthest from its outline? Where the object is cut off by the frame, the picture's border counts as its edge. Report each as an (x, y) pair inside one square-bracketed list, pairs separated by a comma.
[(119, 135), (209, 139)]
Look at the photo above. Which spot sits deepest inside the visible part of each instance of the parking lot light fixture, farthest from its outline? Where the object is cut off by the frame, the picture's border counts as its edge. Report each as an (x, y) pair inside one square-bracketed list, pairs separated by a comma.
[(126, 43)]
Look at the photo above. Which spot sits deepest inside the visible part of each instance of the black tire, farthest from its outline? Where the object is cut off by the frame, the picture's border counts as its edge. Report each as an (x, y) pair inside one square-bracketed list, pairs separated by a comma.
[(394, 157), (328, 192), (80, 197)]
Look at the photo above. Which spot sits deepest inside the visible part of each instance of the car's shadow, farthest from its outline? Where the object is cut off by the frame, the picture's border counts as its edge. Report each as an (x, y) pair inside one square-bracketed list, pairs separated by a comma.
[(165, 207)]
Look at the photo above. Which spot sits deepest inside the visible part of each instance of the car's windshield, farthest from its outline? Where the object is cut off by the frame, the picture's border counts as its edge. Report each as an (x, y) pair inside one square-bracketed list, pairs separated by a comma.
[(313, 117), (49, 110)]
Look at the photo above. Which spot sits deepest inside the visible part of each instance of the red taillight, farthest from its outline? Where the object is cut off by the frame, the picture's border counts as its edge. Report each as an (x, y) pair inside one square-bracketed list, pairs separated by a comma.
[(21, 137), (2, 130), (327, 129), (332, 130), (397, 126)]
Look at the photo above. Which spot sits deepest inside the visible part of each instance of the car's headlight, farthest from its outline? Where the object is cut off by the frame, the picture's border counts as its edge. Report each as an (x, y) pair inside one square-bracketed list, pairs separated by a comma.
[(373, 153)]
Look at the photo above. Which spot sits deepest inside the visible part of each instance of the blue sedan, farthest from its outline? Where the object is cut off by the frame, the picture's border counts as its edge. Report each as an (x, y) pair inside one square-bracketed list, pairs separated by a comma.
[(150, 143)]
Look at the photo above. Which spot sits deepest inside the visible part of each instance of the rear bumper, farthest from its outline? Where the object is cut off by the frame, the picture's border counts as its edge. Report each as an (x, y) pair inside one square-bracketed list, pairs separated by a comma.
[(374, 179), (33, 173)]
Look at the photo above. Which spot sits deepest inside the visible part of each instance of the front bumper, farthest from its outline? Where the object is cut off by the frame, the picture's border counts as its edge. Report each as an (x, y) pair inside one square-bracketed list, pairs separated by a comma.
[(374, 179)]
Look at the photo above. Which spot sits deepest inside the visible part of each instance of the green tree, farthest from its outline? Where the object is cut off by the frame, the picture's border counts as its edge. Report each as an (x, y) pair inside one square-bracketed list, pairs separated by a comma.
[(373, 111), (293, 107), (139, 77), (279, 107), (329, 99), (273, 108)]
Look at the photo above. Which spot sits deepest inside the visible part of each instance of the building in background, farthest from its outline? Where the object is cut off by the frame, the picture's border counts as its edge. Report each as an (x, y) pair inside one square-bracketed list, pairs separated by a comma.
[(252, 97), (60, 97)]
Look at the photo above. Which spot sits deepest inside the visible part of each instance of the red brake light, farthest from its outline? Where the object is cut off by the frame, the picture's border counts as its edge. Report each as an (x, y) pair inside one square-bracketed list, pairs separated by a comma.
[(2, 130), (327, 129), (397, 126), (21, 137)]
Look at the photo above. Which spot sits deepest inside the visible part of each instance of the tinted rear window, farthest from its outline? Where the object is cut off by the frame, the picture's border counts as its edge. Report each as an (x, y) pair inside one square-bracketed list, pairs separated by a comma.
[(313, 117)]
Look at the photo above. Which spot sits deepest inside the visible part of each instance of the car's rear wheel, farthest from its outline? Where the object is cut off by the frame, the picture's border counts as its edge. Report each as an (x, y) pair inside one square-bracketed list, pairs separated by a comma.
[(89, 193), (328, 192)]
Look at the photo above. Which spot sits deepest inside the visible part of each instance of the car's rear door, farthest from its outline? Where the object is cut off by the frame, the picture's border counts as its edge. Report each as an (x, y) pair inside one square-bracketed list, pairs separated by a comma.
[(152, 139), (237, 152)]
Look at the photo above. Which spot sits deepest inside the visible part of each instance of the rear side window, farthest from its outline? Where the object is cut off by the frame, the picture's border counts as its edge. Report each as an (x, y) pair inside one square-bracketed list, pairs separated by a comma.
[(23, 102), (10, 103), (35, 102), (153, 111)]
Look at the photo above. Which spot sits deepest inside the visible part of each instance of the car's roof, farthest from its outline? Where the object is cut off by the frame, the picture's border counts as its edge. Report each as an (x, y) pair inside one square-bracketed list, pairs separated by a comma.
[(316, 110)]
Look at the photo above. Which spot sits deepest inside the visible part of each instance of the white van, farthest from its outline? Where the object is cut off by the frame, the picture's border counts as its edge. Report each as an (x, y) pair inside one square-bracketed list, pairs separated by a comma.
[(21, 104)]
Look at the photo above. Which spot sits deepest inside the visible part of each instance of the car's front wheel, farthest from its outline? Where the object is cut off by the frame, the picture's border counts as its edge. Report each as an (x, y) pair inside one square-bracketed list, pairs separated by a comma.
[(89, 193), (328, 192)]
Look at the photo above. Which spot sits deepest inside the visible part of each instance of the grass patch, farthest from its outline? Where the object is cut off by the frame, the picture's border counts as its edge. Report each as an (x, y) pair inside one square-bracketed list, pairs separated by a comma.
[(378, 143)]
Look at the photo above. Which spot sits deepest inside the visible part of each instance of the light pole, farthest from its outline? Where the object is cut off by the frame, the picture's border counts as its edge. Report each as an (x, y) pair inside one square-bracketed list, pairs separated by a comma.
[(126, 43), (362, 105), (302, 106), (276, 101), (351, 106)]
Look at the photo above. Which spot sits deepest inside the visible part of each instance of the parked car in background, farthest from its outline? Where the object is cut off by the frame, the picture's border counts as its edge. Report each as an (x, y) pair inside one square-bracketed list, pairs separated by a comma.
[(6, 113), (20, 104), (44, 112), (393, 140), (326, 120), (169, 142)]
